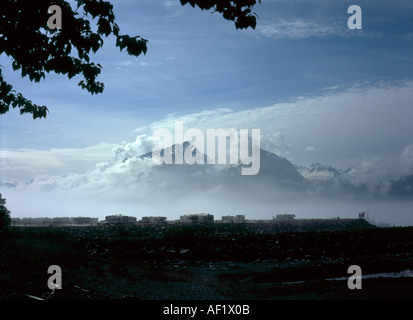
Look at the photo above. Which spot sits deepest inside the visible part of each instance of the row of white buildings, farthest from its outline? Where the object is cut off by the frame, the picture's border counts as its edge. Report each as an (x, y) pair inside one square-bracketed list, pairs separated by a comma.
[(185, 219), (199, 218), (58, 221)]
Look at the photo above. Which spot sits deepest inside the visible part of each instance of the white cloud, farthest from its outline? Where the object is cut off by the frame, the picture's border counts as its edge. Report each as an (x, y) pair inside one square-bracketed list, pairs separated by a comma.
[(406, 160), (24, 164), (345, 122), (370, 168), (140, 146), (126, 63), (353, 121), (297, 29), (309, 148), (302, 29), (171, 3), (277, 143)]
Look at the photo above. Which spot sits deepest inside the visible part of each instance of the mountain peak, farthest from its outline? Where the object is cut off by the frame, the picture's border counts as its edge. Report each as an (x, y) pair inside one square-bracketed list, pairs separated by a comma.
[(274, 170), (318, 167), (177, 147)]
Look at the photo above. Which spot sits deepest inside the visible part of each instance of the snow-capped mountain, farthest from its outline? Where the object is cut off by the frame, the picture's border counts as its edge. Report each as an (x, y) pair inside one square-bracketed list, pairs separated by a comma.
[(318, 172), (193, 169), (277, 178), (274, 171), (324, 179), (327, 180), (180, 177)]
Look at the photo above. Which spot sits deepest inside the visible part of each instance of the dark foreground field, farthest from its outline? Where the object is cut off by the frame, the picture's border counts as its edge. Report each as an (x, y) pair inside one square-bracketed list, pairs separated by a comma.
[(298, 260)]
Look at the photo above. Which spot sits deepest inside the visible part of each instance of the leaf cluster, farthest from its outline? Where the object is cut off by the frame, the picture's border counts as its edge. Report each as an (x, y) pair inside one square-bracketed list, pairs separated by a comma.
[(239, 11), (36, 50)]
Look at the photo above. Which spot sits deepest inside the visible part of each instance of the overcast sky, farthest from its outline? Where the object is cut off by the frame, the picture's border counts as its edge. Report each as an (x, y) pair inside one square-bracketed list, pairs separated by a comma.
[(318, 91)]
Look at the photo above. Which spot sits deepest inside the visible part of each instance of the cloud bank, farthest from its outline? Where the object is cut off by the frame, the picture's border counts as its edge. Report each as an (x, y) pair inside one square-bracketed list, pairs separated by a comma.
[(362, 124)]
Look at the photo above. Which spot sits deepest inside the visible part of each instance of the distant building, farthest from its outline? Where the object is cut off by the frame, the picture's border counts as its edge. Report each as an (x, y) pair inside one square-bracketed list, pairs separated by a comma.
[(153, 220), (32, 221), (120, 219), (84, 221), (197, 218), (227, 219), (61, 221), (233, 219), (285, 217)]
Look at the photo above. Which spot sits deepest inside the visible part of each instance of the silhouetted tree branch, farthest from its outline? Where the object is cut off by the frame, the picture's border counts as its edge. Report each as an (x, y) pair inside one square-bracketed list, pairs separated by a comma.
[(36, 50)]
